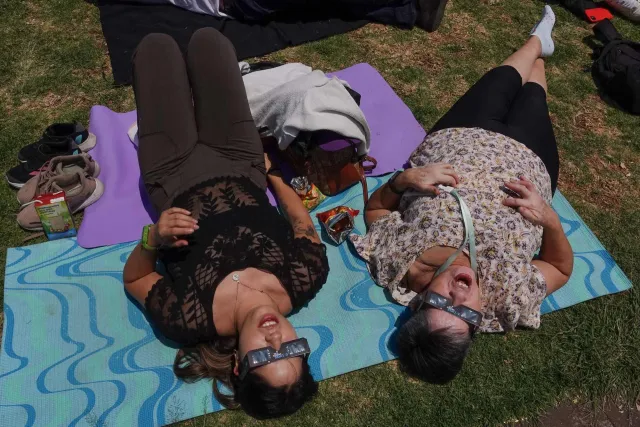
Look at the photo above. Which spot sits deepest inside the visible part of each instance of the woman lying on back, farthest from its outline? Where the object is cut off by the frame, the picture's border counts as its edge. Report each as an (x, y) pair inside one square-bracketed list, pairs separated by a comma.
[(234, 267), (455, 237)]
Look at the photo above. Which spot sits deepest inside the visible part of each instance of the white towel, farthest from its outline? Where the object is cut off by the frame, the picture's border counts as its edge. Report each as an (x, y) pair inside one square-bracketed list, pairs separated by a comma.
[(292, 98)]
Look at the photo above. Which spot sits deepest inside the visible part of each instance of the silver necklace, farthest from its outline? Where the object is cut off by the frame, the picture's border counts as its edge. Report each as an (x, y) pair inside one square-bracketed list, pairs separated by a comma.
[(236, 278)]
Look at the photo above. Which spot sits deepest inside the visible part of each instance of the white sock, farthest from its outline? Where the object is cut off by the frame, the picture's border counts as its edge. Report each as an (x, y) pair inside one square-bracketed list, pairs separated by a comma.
[(543, 29)]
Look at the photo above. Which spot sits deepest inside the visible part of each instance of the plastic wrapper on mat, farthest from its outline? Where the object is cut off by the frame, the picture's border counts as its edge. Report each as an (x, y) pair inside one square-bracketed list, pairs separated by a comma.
[(309, 194), (338, 222)]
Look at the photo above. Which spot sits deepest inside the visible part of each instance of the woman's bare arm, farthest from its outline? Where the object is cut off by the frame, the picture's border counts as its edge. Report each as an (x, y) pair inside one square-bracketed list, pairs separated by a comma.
[(293, 209), (140, 273), (556, 256), (423, 179), (382, 202)]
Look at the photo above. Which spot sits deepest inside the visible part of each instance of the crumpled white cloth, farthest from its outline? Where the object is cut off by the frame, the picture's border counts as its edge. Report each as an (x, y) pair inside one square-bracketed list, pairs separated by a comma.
[(293, 98)]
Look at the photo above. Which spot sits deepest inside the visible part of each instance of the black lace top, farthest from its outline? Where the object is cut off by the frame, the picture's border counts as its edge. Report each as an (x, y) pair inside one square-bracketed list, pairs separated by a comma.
[(238, 229)]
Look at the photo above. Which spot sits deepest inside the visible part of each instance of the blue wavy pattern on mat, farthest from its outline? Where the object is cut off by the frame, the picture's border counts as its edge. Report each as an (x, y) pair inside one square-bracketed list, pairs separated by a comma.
[(97, 361), (25, 253), (31, 414), (40, 381), (8, 342), (326, 339)]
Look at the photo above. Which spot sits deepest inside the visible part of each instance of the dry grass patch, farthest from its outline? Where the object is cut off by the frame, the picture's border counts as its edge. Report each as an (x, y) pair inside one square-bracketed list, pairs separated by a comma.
[(36, 23), (421, 49), (52, 102), (297, 54), (458, 86), (592, 117), (505, 18), (460, 27), (404, 89), (552, 70), (601, 182), (40, 21), (382, 41)]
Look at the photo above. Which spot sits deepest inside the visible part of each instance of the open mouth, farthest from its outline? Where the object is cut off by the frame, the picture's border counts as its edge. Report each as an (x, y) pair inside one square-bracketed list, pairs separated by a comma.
[(267, 321), (463, 280)]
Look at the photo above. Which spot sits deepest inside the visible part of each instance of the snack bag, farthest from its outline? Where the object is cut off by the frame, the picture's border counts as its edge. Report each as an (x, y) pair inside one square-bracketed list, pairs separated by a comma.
[(309, 194), (338, 222), (54, 214)]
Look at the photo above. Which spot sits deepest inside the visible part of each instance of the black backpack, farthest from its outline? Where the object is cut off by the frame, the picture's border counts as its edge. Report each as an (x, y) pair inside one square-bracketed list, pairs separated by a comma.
[(616, 69)]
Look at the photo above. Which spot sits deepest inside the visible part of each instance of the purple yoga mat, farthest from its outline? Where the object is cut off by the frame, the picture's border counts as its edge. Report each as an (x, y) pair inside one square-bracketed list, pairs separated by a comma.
[(123, 209)]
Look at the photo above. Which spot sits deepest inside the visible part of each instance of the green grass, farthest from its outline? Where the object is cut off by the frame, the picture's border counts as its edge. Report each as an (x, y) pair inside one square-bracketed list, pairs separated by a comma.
[(54, 66)]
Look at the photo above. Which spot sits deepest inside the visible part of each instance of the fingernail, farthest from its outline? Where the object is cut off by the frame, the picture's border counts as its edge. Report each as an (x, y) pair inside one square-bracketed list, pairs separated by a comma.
[(197, 227), (191, 230)]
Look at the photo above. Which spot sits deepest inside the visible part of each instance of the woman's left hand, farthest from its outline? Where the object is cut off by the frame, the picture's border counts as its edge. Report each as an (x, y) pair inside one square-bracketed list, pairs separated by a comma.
[(530, 204), (425, 179), (267, 161)]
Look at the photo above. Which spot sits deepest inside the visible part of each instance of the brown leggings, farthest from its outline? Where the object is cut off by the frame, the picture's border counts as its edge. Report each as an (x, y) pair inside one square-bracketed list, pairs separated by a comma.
[(194, 121)]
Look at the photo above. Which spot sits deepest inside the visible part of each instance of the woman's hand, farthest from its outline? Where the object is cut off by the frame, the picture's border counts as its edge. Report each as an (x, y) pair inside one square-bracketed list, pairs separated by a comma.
[(267, 161), (530, 204), (173, 224), (271, 163), (426, 178)]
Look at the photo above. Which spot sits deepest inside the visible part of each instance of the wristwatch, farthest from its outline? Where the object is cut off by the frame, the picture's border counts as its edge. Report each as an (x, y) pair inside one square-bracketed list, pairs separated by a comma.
[(391, 181), (145, 239)]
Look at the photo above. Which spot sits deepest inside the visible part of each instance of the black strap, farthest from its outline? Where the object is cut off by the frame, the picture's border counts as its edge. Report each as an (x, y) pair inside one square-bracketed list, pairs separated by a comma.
[(263, 65), (606, 32)]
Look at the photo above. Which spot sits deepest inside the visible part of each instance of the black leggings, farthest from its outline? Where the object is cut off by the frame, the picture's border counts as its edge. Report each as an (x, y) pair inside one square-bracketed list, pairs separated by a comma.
[(499, 102), (194, 120)]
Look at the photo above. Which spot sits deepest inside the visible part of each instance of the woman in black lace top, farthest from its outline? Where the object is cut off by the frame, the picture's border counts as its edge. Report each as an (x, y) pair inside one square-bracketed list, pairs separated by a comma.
[(234, 267)]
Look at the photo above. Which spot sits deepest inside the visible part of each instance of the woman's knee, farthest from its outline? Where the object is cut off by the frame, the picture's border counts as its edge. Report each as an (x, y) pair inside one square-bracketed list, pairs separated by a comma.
[(536, 93), (209, 40), (508, 75), (156, 45)]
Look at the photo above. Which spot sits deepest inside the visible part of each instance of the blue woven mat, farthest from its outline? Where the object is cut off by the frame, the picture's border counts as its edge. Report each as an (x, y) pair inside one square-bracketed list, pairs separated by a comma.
[(77, 351)]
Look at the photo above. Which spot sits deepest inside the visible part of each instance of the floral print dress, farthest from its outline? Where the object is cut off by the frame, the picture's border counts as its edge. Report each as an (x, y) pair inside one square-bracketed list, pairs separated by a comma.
[(512, 289)]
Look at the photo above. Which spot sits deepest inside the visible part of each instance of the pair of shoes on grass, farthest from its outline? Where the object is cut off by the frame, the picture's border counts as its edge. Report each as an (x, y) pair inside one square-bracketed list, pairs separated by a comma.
[(59, 139), (57, 162), (75, 175)]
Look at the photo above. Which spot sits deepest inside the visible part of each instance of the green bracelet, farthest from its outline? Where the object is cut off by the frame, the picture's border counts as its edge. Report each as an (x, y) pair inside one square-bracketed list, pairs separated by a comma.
[(145, 239)]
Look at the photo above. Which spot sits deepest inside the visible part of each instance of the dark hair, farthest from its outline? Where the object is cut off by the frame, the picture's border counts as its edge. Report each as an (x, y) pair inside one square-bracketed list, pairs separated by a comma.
[(261, 400), (435, 356), (253, 394)]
